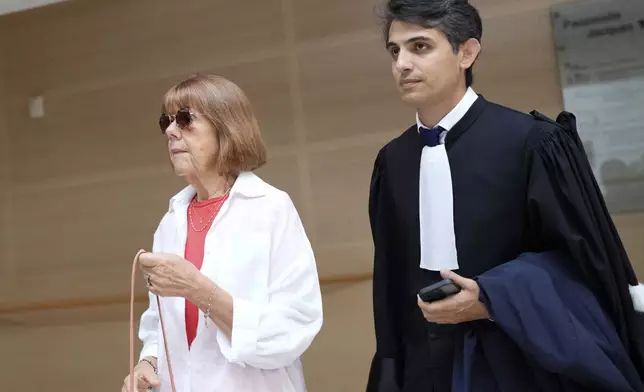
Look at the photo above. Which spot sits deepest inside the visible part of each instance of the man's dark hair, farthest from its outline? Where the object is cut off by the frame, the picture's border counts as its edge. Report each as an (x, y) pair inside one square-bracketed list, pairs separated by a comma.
[(456, 19)]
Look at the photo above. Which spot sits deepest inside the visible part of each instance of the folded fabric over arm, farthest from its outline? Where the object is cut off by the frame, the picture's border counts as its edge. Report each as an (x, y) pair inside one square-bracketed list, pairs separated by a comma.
[(549, 334)]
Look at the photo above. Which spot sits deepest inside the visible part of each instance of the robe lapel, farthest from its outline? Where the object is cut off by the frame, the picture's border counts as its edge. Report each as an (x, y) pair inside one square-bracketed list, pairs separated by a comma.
[(405, 174), (465, 123)]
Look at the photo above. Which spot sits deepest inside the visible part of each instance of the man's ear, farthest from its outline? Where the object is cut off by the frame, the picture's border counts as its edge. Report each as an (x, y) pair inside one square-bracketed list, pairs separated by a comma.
[(470, 50)]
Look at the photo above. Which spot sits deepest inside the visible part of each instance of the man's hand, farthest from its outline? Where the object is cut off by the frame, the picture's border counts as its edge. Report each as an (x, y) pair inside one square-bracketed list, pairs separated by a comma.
[(459, 308)]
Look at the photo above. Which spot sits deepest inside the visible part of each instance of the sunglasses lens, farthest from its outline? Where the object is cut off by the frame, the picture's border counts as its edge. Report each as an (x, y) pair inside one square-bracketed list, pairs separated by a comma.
[(164, 122), (183, 118)]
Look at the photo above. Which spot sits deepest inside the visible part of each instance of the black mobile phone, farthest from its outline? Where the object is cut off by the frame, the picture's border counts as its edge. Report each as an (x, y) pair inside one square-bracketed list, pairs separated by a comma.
[(439, 290)]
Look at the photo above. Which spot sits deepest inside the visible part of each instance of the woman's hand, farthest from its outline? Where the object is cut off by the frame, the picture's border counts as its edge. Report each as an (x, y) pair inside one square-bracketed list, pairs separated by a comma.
[(145, 377), (168, 275)]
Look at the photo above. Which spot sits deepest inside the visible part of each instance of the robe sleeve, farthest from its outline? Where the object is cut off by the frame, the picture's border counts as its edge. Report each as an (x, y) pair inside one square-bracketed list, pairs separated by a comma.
[(567, 213), (386, 367)]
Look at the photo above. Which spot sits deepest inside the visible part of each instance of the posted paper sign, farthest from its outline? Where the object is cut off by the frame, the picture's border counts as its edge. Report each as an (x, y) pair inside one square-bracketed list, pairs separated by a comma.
[(600, 54)]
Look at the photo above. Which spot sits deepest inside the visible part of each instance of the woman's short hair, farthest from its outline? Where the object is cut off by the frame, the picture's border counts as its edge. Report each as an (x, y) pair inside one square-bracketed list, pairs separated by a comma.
[(229, 110)]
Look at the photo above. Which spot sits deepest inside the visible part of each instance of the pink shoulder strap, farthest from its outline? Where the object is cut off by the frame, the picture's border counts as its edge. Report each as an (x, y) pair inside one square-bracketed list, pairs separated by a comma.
[(165, 341)]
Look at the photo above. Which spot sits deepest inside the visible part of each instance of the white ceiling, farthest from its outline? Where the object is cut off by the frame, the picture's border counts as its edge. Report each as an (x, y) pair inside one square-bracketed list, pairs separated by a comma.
[(9, 6)]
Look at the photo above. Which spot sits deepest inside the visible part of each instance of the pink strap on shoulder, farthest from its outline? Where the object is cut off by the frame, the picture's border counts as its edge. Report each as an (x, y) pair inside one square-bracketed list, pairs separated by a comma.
[(165, 341)]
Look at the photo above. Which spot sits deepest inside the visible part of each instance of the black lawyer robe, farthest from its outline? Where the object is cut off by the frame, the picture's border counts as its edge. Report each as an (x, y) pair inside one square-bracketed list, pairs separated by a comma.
[(521, 183), (571, 347)]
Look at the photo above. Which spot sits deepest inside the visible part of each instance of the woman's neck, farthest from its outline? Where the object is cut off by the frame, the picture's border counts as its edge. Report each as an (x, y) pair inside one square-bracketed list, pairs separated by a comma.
[(213, 185)]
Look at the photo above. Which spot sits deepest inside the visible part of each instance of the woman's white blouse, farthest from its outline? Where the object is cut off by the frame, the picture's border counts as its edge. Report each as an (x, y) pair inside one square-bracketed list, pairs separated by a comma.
[(256, 250)]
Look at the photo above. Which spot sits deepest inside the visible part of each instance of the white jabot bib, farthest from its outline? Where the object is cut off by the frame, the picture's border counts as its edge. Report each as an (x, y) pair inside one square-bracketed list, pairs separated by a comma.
[(436, 202), (436, 211)]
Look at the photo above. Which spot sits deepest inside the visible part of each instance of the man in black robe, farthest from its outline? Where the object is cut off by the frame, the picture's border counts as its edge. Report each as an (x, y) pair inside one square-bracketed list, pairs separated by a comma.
[(472, 185)]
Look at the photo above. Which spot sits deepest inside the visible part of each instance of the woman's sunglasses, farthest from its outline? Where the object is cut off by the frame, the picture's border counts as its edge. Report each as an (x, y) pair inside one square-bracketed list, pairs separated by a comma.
[(183, 118)]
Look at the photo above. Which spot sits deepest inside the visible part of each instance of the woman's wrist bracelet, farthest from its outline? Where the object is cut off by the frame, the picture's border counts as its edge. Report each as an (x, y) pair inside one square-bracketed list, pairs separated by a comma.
[(207, 312), (150, 363)]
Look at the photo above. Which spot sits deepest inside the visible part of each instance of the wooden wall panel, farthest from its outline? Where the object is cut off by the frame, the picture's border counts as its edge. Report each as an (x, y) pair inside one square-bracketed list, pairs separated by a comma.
[(98, 131), (348, 90), (6, 261), (341, 207), (631, 230), (79, 235), (70, 358), (340, 357), (508, 9), (92, 44), (511, 57), (267, 84), (115, 129), (318, 20)]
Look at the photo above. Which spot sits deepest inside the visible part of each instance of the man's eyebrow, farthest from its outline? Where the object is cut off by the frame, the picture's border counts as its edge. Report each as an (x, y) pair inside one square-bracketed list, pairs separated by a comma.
[(418, 38)]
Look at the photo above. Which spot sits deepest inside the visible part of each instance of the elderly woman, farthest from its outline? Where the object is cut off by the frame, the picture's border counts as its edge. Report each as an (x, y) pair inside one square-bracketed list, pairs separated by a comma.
[(231, 262)]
